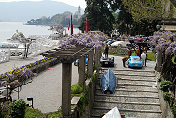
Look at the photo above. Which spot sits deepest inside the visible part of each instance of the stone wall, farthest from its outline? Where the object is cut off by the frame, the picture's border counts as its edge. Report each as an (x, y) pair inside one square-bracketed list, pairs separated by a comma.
[(165, 108), (75, 113)]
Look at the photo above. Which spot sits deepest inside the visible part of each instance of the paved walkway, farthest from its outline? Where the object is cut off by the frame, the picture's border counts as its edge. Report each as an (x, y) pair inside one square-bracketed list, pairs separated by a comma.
[(46, 88), (17, 62)]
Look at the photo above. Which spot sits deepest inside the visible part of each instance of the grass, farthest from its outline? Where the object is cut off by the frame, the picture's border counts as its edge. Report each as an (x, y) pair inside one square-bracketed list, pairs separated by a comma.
[(151, 56), (35, 113), (57, 114), (31, 113)]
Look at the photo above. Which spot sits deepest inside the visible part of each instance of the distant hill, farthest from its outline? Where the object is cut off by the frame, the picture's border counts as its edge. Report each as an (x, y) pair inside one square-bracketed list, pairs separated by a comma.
[(26, 10), (62, 19)]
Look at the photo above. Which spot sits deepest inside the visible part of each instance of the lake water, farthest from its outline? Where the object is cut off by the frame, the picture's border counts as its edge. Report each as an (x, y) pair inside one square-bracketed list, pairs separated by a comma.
[(7, 29)]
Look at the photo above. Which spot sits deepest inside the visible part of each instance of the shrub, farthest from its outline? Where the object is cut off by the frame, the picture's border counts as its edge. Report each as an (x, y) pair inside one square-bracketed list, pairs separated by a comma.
[(174, 109), (57, 114), (31, 113), (17, 109), (166, 96), (76, 89), (164, 86)]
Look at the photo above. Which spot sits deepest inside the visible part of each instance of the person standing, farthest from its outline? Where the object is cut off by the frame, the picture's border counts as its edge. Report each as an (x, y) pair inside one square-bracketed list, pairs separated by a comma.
[(143, 57), (124, 60), (106, 51), (137, 51), (129, 52)]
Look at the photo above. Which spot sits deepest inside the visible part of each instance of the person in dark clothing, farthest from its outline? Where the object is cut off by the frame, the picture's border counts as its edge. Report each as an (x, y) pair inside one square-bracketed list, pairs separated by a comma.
[(124, 60), (129, 52), (106, 51)]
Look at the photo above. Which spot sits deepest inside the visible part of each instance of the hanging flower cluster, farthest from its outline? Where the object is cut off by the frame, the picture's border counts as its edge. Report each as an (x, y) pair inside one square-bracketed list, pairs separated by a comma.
[(87, 40), (164, 41)]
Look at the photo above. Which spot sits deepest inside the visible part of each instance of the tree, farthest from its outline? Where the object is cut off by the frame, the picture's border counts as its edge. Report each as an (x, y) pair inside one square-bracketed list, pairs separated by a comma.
[(149, 9), (99, 15), (173, 2)]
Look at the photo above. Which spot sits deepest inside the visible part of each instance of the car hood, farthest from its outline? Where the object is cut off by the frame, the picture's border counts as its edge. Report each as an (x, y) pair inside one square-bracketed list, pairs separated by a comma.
[(136, 62)]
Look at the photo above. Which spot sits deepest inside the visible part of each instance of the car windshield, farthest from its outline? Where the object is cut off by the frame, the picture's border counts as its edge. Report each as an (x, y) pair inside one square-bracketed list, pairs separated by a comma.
[(135, 59)]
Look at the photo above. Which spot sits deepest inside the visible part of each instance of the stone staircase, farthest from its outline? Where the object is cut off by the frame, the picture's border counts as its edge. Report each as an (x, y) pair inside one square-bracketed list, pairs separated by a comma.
[(136, 95)]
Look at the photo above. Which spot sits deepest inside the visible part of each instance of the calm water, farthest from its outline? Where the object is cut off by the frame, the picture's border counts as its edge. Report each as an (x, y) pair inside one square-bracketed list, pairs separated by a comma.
[(7, 29)]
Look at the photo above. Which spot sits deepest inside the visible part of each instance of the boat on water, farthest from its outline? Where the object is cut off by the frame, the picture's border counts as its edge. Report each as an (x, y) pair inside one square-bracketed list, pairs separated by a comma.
[(108, 82)]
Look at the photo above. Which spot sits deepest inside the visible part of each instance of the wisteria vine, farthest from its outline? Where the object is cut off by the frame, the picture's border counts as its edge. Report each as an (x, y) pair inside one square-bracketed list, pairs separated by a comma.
[(87, 40), (13, 77), (165, 42)]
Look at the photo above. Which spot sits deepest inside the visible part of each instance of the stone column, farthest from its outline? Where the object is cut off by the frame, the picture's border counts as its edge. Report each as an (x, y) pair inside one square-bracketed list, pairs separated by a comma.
[(159, 61), (81, 70), (90, 63), (99, 55), (66, 89), (96, 57)]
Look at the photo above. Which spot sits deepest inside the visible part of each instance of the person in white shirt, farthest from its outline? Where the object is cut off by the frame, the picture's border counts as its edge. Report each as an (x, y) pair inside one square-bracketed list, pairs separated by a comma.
[(143, 57)]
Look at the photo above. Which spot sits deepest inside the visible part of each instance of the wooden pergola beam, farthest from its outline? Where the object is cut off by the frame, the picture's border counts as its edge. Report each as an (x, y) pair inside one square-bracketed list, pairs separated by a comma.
[(66, 57)]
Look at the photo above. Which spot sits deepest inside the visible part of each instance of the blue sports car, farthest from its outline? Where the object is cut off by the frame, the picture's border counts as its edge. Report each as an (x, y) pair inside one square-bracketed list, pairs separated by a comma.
[(135, 61), (76, 62)]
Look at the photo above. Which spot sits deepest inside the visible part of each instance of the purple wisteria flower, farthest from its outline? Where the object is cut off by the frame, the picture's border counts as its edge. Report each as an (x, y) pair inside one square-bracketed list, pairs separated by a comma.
[(86, 40), (174, 51), (164, 41)]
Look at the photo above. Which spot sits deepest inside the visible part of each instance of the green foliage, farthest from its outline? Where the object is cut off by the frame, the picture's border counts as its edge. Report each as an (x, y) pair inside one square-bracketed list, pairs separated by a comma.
[(151, 56), (166, 96), (56, 19), (31, 113), (99, 15), (57, 114), (149, 9), (164, 85), (83, 102), (35, 113), (2, 114), (174, 109), (95, 67), (76, 89), (17, 109)]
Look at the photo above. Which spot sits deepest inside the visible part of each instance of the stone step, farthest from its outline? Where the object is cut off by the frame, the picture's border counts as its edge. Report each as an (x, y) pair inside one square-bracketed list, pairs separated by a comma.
[(127, 70), (133, 88), (136, 80), (133, 75), (127, 105), (137, 71), (126, 98), (133, 83), (99, 111), (145, 78), (131, 92)]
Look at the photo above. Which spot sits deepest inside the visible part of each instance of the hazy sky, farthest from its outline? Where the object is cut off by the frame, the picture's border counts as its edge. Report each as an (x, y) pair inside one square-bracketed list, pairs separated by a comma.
[(75, 3)]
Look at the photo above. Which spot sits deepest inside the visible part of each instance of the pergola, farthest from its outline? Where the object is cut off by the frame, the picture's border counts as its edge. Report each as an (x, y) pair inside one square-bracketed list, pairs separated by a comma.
[(67, 56)]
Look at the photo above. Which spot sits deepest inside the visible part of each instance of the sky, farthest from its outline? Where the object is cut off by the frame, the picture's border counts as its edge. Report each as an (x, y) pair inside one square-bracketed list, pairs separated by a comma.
[(76, 3)]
